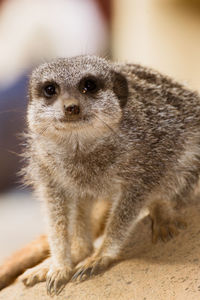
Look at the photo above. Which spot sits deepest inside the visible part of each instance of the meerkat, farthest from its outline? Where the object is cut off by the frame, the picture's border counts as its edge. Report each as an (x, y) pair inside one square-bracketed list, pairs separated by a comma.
[(103, 130)]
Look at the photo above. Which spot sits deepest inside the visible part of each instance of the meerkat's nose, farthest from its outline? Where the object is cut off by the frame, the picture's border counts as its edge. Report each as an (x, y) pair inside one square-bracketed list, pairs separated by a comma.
[(71, 106), (72, 109)]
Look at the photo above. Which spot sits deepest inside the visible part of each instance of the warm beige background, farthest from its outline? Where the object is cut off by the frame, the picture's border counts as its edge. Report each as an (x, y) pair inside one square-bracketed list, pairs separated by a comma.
[(164, 34)]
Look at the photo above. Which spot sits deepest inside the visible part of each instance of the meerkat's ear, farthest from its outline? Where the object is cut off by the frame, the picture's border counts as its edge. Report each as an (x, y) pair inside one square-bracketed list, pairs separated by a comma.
[(120, 88)]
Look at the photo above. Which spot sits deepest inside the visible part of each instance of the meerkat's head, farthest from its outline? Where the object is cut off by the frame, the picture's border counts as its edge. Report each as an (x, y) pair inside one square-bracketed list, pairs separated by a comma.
[(75, 94)]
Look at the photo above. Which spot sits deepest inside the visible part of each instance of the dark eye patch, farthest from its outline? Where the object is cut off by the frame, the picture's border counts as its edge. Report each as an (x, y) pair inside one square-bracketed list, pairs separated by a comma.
[(89, 85), (50, 90)]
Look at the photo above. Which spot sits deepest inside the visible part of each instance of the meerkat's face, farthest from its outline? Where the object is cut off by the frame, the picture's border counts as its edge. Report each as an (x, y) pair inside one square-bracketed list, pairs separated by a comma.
[(75, 94)]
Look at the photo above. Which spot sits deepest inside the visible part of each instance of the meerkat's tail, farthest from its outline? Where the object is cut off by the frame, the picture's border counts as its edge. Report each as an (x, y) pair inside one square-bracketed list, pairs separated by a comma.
[(27, 257)]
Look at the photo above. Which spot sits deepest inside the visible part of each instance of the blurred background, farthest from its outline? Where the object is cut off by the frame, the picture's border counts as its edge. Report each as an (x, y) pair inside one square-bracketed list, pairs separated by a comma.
[(163, 34)]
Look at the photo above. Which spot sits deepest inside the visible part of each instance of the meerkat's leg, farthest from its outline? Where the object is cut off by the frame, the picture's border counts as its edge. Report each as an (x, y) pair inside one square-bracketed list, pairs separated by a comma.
[(89, 222), (123, 216), (99, 217), (166, 222), (81, 242), (81, 245), (58, 204)]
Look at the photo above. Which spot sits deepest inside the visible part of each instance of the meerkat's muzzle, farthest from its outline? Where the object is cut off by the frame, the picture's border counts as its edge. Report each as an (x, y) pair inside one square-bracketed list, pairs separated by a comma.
[(71, 109)]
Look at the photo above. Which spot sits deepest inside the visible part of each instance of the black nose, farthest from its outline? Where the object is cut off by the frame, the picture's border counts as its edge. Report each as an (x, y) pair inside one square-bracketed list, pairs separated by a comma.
[(72, 109)]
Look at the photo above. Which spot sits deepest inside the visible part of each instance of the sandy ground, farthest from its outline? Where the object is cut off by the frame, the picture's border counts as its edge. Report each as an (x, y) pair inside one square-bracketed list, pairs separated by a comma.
[(165, 271)]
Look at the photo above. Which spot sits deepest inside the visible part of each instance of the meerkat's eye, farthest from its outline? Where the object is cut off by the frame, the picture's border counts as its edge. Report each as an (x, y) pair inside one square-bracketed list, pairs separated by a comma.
[(89, 85), (49, 90)]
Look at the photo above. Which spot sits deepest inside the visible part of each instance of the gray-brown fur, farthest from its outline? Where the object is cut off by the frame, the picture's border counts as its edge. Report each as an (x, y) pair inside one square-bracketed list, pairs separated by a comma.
[(136, 144)]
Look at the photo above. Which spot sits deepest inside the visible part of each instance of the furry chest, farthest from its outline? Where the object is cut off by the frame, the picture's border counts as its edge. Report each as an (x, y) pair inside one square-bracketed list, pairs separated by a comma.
[(88, 174), (89, 169)]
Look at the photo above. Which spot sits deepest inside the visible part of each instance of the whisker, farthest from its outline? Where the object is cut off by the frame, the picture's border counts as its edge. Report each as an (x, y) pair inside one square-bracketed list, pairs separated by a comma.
[(110, 128), (13, 152), (42, 131)]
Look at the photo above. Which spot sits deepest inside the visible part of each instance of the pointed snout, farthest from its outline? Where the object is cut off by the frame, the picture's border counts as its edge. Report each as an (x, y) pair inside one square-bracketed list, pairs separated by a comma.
[(71, 106)]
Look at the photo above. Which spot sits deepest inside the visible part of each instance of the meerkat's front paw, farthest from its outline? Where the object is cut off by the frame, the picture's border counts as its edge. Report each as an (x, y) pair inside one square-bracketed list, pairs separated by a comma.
[(165, 229), (57, 279), (35, 275), (91, 266)]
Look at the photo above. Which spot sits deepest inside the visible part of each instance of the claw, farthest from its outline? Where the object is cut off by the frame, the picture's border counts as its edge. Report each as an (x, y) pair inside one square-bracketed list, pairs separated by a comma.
[(94, 270), (49, 285), (76, 275), (86, 272), (80, 273), (54, 288), (56, 280), (59, 290)]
